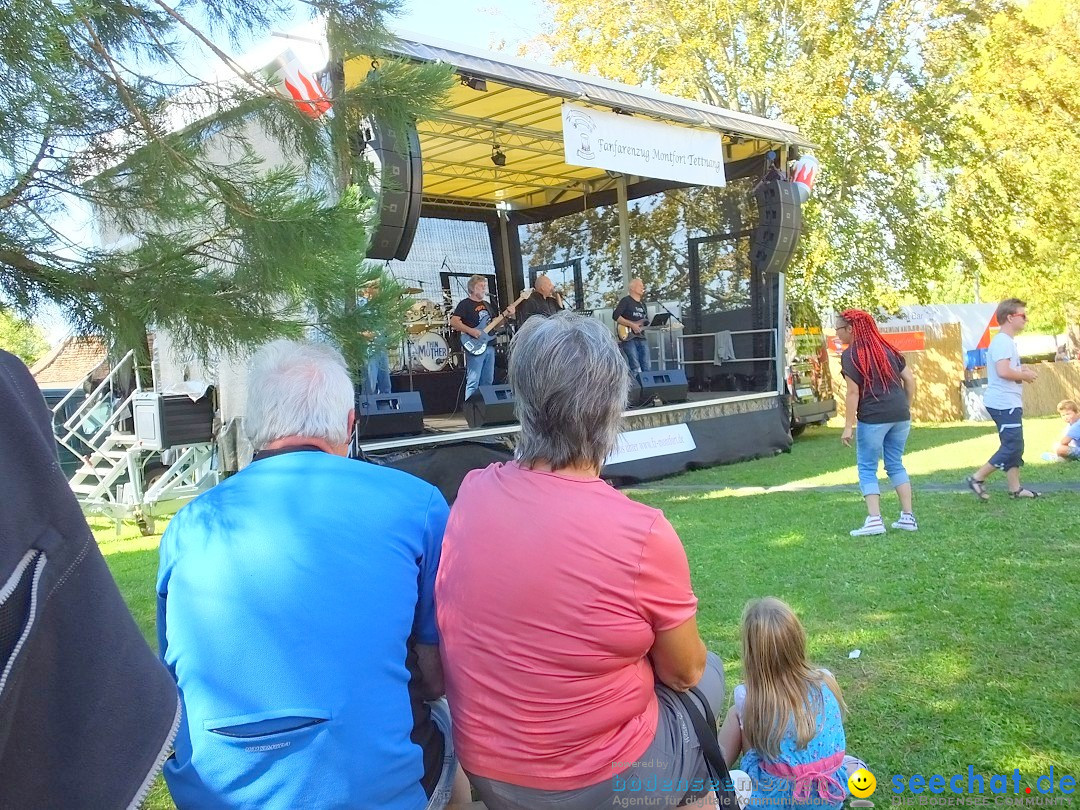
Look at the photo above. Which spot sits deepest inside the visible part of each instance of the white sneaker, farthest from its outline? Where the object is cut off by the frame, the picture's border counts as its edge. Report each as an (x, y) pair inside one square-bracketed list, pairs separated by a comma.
[(906, 523), (873, 525), (1051, 457)]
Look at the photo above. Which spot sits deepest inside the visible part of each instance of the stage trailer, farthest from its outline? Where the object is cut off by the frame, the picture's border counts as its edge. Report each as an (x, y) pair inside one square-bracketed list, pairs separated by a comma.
[(520, 143)]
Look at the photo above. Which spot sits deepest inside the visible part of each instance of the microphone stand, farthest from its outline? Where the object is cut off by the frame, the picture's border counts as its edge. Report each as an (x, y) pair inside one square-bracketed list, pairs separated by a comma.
[(660, 303)]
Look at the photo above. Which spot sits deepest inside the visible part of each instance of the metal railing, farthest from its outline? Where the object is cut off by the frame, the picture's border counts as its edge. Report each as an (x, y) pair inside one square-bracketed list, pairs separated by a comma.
[(714, 335)]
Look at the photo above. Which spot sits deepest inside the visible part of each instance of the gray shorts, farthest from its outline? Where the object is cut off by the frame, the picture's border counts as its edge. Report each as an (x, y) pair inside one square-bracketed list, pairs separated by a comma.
[(671, 772)]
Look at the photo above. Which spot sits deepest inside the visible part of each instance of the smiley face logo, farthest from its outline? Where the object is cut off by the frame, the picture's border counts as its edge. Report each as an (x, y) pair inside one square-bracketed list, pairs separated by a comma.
[(862, 783)]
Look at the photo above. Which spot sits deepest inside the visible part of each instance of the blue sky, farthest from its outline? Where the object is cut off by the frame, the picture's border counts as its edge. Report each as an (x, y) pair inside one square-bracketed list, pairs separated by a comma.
[(480, 23)]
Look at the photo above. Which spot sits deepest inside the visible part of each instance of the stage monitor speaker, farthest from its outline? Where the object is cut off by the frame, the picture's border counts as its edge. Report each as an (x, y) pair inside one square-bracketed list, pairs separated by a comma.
[(667, 386), (397, 178), (490, 405), (383, 415), (779, 225)]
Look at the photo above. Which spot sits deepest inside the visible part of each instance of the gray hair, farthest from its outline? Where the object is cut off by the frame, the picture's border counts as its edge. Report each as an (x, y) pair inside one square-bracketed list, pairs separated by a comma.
[(298, 389), (570, 385), (470, 285)]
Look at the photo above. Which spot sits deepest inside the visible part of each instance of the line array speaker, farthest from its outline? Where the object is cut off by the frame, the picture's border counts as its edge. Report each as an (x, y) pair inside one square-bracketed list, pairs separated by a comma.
[(398, 180), (779, 225)]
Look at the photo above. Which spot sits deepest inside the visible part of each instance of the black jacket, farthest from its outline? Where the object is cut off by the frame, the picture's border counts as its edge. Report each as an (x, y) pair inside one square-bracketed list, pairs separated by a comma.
[(536, 304), (87, 712)]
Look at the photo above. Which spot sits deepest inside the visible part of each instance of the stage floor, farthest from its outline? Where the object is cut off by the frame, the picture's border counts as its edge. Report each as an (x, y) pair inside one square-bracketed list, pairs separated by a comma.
[(442, 428)]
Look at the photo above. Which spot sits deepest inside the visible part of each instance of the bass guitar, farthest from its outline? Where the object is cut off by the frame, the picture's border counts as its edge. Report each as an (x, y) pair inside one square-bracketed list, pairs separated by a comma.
[(478, 345)]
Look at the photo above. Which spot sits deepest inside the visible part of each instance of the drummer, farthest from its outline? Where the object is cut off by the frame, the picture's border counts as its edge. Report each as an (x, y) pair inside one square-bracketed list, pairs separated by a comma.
[(470, 317)]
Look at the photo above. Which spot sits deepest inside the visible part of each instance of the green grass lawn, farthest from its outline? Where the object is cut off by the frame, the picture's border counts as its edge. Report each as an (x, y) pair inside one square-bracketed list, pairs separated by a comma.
[(968, 629)]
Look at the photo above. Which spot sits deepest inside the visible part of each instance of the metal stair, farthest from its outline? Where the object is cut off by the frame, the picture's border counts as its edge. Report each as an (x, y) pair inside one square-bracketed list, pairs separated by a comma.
[(111, 479)]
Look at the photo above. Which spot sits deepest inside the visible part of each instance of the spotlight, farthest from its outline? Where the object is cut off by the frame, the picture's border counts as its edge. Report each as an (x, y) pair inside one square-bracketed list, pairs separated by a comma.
[(498, 156), (474, 83)]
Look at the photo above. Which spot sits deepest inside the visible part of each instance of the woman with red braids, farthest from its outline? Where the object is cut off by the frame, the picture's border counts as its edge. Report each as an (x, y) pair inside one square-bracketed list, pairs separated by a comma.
[(880, 388)]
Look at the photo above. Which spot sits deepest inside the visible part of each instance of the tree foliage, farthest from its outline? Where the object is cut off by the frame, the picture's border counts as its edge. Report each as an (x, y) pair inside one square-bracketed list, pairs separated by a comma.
[(1010, 171), (130, 111), (21, 338), (911, 103)]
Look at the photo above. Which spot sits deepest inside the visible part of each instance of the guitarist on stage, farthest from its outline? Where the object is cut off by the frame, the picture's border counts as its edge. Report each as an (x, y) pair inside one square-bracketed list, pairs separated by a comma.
[(470, 317), (631, 314)]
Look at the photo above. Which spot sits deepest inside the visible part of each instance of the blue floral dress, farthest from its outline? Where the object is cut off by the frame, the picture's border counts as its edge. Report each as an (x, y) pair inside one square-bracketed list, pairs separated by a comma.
[(814, 777)]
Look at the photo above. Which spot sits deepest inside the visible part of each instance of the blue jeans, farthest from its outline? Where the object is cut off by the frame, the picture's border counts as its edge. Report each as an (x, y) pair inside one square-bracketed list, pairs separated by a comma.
[(377, 374), (636, 351), (479, 370), (871, 442)]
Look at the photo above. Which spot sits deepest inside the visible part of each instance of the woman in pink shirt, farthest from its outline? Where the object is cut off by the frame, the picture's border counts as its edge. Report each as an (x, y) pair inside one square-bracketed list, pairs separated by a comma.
[(565, 609)]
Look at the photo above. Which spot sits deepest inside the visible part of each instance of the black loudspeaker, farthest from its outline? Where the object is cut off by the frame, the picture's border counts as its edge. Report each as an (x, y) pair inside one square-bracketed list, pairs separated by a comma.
[(398, 181), (381, 415), (779, 225), (490, 405), (667, 386)]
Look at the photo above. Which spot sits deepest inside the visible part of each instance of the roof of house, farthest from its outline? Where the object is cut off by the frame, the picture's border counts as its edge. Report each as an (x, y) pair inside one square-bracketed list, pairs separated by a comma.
[(70, 361)]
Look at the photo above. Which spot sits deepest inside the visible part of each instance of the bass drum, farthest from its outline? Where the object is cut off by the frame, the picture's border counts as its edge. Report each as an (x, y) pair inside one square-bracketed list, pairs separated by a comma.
[(428, 352)]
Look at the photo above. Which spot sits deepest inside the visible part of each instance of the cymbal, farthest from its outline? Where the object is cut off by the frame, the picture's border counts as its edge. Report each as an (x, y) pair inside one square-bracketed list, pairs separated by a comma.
[(411, 291)]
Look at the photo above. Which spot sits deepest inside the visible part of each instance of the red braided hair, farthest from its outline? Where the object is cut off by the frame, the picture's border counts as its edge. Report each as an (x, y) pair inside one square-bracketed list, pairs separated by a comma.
[(871, 355)]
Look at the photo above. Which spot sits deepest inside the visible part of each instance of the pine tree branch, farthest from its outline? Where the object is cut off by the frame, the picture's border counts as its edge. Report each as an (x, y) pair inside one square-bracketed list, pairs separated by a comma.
[(44, 275), (169, 52), (121, 86), (227, 60), (28, 176)]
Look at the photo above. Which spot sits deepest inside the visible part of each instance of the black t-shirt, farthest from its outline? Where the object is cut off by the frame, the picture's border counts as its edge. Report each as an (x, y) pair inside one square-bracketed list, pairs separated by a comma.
[(536, 304), (474, 314), (631, 310), (876, 406)]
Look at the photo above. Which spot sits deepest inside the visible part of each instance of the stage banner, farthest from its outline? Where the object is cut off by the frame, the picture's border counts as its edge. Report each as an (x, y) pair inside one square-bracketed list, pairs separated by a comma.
[(650, 442), (637, 146)]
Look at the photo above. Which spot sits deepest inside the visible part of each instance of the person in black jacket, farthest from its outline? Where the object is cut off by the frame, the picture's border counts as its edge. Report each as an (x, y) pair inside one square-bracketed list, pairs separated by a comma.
[(545, 300), (87, 712)]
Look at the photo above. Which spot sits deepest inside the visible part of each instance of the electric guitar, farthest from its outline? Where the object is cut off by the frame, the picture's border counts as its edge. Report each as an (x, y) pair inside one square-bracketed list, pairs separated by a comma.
[(478, 345), (625, 333)]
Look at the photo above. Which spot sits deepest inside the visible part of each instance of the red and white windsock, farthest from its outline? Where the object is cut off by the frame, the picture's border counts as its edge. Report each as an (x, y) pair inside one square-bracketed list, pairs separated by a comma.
[(804, 175), (292, 81)]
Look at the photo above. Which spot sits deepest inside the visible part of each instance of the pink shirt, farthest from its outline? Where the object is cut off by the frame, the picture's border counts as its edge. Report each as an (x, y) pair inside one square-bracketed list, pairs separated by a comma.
[(549, 595)]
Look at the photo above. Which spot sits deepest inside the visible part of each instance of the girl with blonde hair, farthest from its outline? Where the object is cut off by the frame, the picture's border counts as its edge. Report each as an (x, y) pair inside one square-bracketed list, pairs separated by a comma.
[(788, 717)]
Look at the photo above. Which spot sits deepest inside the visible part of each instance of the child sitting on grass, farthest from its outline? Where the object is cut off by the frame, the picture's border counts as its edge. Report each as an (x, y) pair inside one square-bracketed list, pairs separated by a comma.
[(788, 717), (1068, 447)]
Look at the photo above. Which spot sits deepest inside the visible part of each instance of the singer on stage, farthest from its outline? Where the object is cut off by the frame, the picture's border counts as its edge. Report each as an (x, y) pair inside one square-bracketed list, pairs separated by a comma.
[(545, 300), (631, 312)]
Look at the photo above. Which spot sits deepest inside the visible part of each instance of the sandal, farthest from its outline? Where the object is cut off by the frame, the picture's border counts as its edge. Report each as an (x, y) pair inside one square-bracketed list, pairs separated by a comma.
[(979, 488), (1024, 492)]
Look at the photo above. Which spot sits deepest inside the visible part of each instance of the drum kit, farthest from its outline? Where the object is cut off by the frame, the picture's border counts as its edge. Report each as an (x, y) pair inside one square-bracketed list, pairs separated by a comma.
[(427, 343), (425, 346)]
